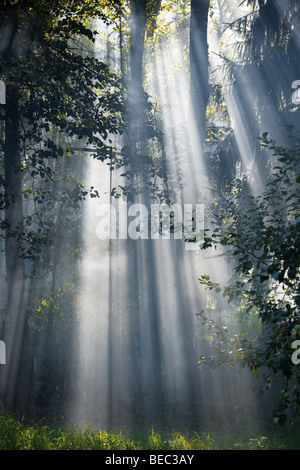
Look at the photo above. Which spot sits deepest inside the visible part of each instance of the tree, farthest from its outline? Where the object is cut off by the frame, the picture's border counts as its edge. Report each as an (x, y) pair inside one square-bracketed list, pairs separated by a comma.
[(78, 98), (262, 235), (13, 204), (199, 62), (267, 41), (140, 118)]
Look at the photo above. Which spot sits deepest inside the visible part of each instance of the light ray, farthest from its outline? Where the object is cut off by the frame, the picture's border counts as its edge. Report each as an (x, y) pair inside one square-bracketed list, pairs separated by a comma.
[(139, 338)]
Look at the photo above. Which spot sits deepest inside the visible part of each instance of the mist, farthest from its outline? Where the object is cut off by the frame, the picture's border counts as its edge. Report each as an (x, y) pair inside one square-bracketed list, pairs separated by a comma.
[(101, 302)]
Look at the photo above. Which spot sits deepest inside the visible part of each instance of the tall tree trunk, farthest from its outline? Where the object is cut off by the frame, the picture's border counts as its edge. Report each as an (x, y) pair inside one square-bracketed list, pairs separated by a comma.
[(199, 85), (135, 128), (137, 41), (144, 315), (135, 77), (15, 265)]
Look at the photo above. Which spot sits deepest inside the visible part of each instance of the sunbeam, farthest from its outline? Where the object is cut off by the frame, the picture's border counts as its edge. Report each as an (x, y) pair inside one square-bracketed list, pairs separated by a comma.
[(149, 161), (139, 338)]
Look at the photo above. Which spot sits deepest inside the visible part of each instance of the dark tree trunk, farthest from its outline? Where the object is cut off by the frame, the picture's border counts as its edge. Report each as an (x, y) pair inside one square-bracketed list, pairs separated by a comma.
[(135, 79), (145, 359), (199, 62), (137, 41), (15, 264), (13, 192)]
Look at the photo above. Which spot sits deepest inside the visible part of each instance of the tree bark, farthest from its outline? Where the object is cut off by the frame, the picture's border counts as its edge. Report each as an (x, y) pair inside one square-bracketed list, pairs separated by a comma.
[(137, 41), (199, 76), (135, 78), (15, 264)]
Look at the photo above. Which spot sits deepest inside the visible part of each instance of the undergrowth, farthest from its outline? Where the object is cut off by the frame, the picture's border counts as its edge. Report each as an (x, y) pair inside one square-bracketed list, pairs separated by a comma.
[(17, 435)]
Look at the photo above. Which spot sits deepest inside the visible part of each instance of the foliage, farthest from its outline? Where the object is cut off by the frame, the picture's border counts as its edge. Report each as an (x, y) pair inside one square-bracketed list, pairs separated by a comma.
[(22, 435), (77, 102), (16, 435), (74, 106), (266, 39), (55, 308), (262, 234)]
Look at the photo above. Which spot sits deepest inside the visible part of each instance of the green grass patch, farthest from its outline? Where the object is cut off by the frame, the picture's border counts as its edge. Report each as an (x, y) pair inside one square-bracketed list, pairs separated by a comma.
[(16, 435)]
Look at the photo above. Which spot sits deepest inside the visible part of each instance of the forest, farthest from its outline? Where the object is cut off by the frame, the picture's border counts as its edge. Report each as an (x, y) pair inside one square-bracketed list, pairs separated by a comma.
[(149, 224)]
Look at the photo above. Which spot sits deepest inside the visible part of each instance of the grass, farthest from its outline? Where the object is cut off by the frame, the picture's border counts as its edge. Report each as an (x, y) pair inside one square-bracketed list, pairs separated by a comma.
[(16, 435)]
